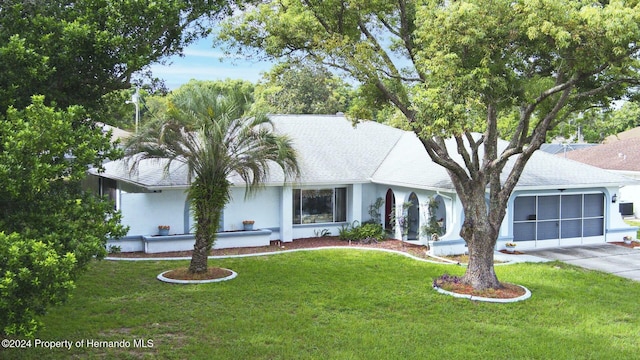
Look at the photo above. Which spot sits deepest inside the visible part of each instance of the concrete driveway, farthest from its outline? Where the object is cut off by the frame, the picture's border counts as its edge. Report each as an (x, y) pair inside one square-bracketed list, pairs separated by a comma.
[(614, 259)]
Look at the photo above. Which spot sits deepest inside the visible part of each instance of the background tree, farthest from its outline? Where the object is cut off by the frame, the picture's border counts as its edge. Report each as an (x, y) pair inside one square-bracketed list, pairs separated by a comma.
[(454, 68), (301, 88), (213, 134), (156, 108), (596, 124)]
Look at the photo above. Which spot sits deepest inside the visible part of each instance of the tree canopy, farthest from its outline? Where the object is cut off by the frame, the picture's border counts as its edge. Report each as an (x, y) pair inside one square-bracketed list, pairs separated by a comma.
[(455, 69), (49, 228), (594, 125), (301, 88), (74, 52)]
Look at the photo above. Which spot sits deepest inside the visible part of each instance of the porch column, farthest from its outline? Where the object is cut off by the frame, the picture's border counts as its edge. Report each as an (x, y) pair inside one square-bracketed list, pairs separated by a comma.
[(356, 202), (286, 214)]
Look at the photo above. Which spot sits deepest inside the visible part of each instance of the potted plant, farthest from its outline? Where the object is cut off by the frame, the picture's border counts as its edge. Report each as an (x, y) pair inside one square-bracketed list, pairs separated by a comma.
[(248, 225), (511, 247), (163, 230), (627, 240)]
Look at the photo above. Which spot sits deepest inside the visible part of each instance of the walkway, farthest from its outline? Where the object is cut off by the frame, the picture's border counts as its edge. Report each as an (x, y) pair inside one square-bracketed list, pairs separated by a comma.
[(613, 259)]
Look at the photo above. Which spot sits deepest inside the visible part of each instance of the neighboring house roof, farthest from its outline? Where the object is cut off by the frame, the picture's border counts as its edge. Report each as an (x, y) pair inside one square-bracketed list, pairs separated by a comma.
[(621, 155), (116, 133), (331, 150), (629, 134), (557, 148)]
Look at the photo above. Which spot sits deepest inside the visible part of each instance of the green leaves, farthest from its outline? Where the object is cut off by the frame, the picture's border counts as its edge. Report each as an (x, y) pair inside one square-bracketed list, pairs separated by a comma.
[(76, 52), (40, 146), (301, 88), (53, 228), (33, 276)]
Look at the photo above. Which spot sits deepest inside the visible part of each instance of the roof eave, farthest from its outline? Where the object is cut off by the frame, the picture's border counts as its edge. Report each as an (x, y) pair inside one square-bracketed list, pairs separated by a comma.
[(413, 186)]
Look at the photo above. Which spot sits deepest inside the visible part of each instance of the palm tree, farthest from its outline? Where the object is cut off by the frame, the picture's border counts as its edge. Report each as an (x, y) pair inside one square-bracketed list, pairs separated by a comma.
[(212, 134)]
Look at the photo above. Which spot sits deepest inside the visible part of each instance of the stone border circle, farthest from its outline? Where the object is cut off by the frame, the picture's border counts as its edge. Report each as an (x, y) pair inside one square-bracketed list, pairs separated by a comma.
[(161, 277), (526, 295)]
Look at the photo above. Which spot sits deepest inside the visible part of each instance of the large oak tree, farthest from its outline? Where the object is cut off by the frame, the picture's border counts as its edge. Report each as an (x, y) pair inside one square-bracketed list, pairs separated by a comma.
[(453, 68)]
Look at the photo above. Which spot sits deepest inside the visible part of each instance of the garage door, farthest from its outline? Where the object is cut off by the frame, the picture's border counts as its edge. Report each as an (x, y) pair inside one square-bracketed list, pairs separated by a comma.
[(547, 217)]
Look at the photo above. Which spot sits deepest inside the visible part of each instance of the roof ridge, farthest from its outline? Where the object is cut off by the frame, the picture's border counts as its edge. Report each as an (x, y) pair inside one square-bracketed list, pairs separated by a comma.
[(393, 147)]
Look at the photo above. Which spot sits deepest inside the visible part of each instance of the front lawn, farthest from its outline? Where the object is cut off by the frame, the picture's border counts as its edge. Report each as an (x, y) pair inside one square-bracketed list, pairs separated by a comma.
[(340, 304), (634, 223)]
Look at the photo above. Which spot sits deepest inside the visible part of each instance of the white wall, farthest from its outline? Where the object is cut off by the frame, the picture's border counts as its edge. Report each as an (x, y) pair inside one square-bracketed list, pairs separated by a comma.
[(370, 193), (143, 212), (263, 207), (631, 193)]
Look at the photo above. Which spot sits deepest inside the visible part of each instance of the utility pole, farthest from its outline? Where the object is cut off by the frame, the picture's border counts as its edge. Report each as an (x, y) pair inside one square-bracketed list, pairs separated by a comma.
[(135, 99)]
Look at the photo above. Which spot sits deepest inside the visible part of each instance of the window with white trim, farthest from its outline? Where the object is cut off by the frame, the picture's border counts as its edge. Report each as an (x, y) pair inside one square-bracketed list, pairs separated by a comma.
[(319, 205)]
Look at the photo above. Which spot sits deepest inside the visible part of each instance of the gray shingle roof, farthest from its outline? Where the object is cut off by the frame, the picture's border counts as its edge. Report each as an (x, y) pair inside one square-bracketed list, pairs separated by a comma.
[(333, 151)]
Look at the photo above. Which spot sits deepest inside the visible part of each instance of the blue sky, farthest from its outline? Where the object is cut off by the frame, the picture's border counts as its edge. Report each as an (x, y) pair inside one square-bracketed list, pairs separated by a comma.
[(202, 62)]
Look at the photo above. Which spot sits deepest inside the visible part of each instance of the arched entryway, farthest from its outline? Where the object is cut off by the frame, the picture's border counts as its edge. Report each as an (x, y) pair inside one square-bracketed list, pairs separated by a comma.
[(439, 213), (389, 209), (413, 216)]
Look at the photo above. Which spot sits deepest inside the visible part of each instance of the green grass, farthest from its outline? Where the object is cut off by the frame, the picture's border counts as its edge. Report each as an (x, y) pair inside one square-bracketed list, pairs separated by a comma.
[(634, 223), (342, 304)]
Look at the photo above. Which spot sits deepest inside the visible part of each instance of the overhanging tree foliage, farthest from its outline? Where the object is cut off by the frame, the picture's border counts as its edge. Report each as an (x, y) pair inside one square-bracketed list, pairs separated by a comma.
[(74, 52), (69, 53), (49, 228), (453, 68)]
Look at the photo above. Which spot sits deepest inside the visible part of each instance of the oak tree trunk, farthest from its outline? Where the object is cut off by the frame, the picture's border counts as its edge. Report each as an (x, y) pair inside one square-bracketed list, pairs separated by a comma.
[(480, 231)]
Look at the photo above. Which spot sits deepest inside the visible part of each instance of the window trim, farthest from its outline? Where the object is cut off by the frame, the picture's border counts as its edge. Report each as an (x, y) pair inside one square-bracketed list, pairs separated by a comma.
[(334, 193)]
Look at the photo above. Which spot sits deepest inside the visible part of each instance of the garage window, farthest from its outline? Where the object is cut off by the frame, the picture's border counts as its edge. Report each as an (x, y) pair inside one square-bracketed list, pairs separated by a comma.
[(558, 216)]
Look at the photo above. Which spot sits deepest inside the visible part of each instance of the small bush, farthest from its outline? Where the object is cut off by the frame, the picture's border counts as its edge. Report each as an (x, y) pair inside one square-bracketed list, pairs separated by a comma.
[(357, 232), (114, 249)]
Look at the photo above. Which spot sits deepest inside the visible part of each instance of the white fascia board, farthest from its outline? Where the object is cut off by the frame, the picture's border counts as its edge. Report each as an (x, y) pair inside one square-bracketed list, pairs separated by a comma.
[(414, 186), (564, 187)]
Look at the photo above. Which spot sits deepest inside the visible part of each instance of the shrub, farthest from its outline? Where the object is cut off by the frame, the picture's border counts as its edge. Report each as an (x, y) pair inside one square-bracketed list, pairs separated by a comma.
[(358, 232), (33, 276), (371, 231), (114, 249)]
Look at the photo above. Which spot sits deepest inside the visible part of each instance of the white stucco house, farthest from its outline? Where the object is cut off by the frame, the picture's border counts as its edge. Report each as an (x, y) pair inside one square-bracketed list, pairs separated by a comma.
[(344, 169)]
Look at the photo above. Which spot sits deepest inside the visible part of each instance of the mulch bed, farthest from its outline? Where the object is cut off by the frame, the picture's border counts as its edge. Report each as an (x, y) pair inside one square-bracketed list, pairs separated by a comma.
[(508, 291), (276, 246), (511, 253), (183, 274), (634, 244)]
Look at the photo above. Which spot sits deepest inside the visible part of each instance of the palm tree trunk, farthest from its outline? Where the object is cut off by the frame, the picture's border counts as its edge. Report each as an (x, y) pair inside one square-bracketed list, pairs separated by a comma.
[(208, 202), (199, 258)]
